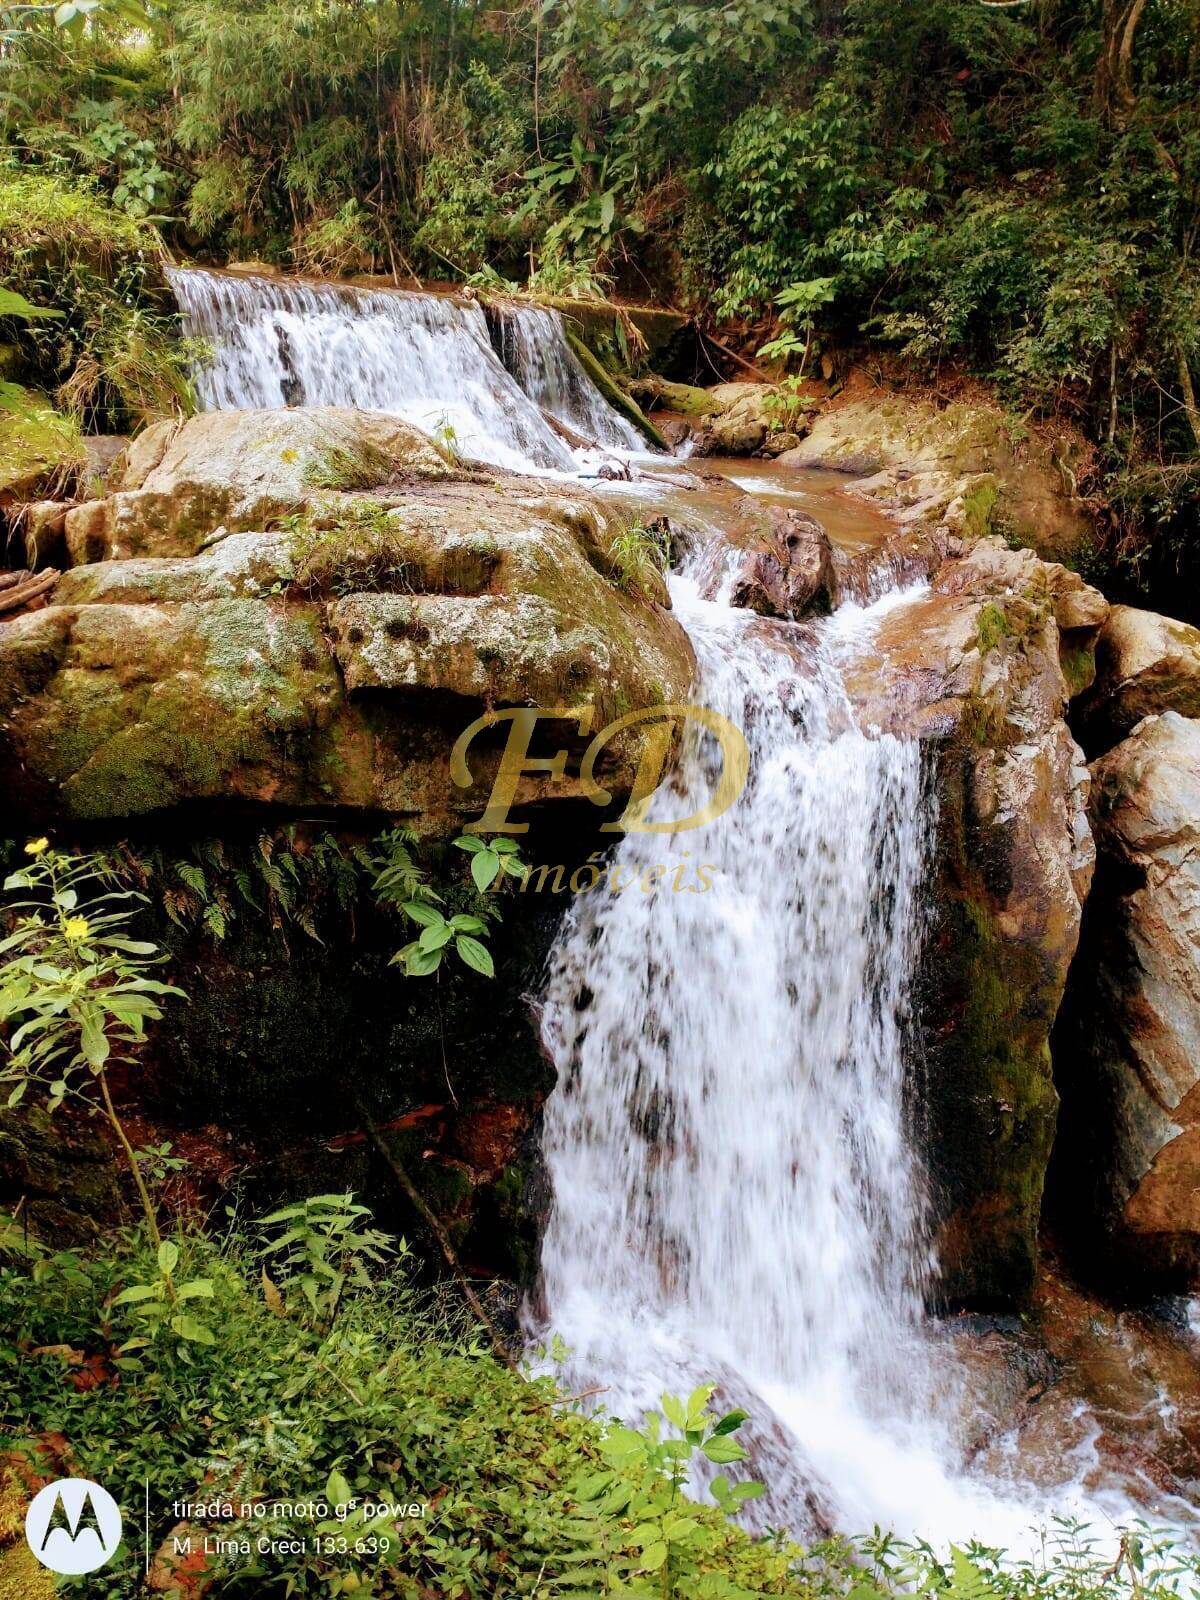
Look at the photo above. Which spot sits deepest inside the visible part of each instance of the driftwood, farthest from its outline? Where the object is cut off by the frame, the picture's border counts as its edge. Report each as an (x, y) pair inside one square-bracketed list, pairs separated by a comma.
[(18, 589), (750, 366), (575, 440)]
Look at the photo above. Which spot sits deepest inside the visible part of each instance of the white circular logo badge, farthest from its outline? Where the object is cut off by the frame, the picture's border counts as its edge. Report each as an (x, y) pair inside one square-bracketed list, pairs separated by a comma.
[(73, 1526)]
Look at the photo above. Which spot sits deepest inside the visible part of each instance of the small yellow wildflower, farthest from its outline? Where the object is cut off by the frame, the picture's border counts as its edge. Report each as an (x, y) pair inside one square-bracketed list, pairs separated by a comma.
[(76, 927), (37, 847)]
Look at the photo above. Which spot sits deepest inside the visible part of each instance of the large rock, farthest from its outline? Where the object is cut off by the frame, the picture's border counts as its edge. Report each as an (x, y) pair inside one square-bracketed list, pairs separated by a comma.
[(1144, 664), (975, 668), (333, 665), (960, 465), (240, 470), (790, 574), (1127, 1171)]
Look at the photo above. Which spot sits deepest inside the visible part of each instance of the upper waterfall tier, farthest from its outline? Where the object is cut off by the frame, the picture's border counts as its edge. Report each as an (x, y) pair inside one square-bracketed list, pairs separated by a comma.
[(427, 358)]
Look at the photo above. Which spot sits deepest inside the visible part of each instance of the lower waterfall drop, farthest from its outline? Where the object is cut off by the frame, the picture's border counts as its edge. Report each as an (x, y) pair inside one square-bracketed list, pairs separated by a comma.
[(730, 1147), (734, 1191)]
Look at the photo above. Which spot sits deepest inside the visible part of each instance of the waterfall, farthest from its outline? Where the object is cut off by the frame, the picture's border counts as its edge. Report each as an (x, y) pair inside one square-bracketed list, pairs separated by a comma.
[(428, 358), (737, 1195), (533, 346), (734, 1190)]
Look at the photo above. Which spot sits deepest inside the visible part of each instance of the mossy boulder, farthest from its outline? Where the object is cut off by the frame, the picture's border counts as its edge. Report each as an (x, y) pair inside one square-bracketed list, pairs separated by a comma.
[(42, 453), (974, 668), (333, 665), (237, 470), (965, 465)]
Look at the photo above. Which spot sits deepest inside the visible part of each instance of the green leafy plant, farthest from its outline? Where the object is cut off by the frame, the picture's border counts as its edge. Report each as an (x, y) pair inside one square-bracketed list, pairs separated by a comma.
[(798, 305), (648, 1469), (572, 276), (446, 437), (320, 1246), (76, 991), (400, 883), (491, 859), (159, 1304)]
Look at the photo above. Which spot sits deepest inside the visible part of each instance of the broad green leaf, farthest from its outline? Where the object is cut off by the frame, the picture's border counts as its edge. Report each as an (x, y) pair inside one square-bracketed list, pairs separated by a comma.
[(13, 304), (435, 936), (476, 955), (137, 1292), (723, 1450), (426, 915), (673, 1410), (420, 963), (188, 1328), (484, 868)]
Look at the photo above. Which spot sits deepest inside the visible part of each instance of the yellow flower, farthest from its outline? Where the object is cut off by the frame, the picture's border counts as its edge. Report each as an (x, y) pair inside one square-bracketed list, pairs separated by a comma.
[(76, 927), (37, 847)]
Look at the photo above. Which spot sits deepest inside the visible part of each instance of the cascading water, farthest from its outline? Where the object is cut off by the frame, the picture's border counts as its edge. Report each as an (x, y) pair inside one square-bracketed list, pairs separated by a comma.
[(533, 347), (736, 1195), (734, 1192), (424, 357)]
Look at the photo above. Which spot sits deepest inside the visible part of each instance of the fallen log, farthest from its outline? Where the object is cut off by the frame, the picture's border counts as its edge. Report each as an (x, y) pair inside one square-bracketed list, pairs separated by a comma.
[(564, 431), (19, 589)]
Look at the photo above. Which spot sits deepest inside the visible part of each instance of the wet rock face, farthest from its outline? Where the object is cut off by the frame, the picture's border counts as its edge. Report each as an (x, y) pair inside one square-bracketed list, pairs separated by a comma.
[(289, 1045), (957, 465), (980, 669), (333, 665), (1145, 663), (1127, 1170), (791, 573), (1118, 1390)]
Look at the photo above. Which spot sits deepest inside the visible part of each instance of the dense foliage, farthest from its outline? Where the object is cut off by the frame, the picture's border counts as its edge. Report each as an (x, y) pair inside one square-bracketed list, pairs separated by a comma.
[(307, 1373), (1012, 189), (304, 1370)]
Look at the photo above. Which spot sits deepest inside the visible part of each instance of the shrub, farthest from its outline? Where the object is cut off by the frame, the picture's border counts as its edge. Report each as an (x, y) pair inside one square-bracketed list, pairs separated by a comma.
[(396, 1400), (114, 350)]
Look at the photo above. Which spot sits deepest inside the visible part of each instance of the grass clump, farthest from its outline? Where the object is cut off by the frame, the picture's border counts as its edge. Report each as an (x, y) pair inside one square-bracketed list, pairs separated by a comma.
[(362, 551), (113, 346), (641, 556), (991, 627)]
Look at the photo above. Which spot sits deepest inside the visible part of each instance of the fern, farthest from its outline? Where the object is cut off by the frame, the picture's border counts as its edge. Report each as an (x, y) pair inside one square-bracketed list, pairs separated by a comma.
[(245, 888), (397, 876), (194, 877)]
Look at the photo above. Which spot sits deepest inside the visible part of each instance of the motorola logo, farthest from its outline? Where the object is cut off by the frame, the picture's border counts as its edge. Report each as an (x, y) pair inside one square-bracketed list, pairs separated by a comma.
[(73, 1526)]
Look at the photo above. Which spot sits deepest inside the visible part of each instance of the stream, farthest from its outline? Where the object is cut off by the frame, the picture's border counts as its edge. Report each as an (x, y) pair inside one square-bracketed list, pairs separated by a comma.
[(733, 1145)]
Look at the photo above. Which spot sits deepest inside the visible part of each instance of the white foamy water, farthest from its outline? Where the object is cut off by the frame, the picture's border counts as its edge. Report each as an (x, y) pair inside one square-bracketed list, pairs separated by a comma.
[(534, 348), (736, 1194), (427, 358)]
